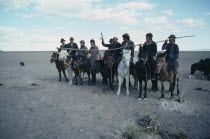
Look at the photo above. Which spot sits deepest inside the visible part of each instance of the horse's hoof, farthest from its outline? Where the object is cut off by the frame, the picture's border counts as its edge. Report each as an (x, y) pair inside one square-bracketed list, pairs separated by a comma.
[(118, 94), (111, 90), (161, 99), (145, 98), (139, 98), (127, 94)]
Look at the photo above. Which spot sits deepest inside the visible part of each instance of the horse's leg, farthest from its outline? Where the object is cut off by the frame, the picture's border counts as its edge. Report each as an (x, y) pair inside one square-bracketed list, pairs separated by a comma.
[(94, 79), (64, 73), (88, 73), (178, 91), (192, 72), (172, 86), (70, 75), (127, 84), (119, 85), (135, 82), (59, 76), (76, 78), (140, 90), (145, 90), (105, 79), (162, 93), (110, 83), (80, 77)]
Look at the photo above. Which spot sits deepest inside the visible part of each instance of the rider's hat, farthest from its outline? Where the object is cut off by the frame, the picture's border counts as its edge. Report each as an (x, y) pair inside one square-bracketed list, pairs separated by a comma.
[(71, 38), (82, 41), (62, 40), (172, 36)]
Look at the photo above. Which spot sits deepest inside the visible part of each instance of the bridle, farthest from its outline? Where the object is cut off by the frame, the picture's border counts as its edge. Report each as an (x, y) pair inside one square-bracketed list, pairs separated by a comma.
[(125, 59), (164, 65)]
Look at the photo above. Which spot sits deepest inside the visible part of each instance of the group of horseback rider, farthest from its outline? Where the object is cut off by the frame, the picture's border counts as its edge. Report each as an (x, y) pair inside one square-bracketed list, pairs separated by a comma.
[(147, 51)]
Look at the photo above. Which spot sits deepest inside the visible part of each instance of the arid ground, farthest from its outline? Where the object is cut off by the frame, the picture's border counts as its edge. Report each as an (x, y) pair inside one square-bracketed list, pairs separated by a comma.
[(57, 110)]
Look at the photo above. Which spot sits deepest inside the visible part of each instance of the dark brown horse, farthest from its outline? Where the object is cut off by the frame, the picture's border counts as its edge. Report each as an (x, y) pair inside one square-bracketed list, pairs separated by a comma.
[(143, 74), (109, 70), (81, 65), (60, 65), (166, 73)]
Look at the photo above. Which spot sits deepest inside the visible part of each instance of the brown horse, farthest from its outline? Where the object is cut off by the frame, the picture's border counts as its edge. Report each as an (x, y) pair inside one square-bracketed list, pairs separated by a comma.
[(109, 70), (60, 65), (166, 73)]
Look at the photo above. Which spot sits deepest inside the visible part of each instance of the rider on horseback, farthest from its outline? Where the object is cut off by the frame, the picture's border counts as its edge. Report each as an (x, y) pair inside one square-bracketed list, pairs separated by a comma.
[(72, 45), (83, 53), (128, 44), (172, 51), (110, 46), (148, 52), (63, 45)]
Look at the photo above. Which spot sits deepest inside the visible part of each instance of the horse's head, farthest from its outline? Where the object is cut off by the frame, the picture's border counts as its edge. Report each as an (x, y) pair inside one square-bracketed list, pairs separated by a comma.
[(76, 62), (68, 61), (109, 61), (54, 57), (141, 63), (63, 55), (160, 62), (126, 57)]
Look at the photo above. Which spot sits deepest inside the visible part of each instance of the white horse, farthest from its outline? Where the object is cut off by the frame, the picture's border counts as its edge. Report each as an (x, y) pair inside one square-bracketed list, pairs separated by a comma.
[(63, 54), (123, 71)]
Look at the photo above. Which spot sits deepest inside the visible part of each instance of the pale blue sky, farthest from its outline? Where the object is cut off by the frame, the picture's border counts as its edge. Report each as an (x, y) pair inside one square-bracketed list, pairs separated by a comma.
[(38, 25)]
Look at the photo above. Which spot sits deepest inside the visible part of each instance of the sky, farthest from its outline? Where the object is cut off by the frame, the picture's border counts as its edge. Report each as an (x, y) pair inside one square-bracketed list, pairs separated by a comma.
[(38, 25)]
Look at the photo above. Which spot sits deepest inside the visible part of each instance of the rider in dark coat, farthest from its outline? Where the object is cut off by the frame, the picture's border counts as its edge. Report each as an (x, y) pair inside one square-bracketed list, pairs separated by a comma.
[(116, 45), (73, 46), (128, 44), (148, 52), (109, 46), (83, 52), (63, 45), (172, 51)]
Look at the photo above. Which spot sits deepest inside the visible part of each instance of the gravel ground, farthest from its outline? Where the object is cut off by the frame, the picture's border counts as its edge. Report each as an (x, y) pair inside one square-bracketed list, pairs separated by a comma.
[(56, 110)]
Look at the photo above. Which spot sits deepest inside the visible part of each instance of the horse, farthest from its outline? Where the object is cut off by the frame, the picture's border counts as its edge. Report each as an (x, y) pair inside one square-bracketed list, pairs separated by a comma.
[(60, 65), (123, 70), (109, 70), (64, 56), (143, 74), (203, 65), (81, 65), (133, 72), (166, 73)]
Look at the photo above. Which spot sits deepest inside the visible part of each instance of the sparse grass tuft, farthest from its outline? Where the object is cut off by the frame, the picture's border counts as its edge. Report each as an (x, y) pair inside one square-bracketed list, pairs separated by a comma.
[(128, 131)]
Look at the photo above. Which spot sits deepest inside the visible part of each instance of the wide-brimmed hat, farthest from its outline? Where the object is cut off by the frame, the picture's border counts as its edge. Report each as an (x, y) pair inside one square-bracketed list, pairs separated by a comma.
[(62, 40), (71, 38), (82, 41), (92, 40), (172, 36), (115, 38), (126, 34), (111, 40)]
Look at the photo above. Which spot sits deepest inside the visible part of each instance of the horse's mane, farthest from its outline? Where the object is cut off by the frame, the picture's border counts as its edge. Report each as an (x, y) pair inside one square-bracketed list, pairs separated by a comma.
[(159, 55), (169, 63)]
